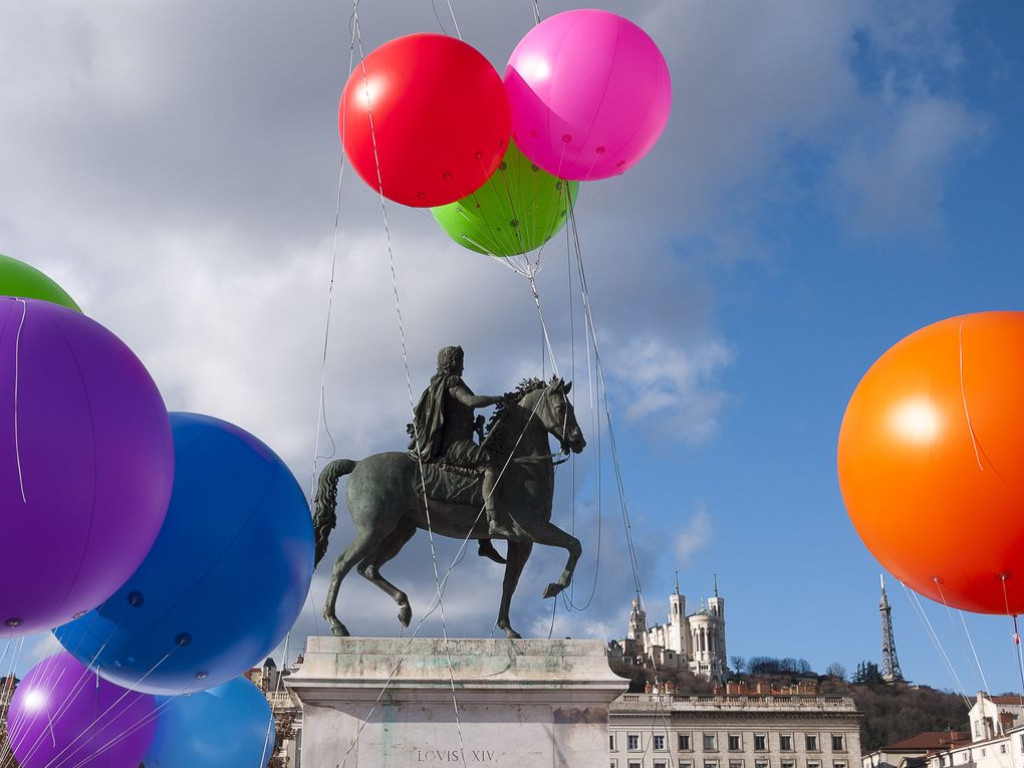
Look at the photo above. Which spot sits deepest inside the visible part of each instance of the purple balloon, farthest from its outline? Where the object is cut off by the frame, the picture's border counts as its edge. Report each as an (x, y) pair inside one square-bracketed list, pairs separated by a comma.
[(63, 716), (86, 464), (589, 92)]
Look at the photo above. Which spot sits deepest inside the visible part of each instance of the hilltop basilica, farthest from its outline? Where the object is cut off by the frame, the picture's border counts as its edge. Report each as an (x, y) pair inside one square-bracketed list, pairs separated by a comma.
[(695, 642)]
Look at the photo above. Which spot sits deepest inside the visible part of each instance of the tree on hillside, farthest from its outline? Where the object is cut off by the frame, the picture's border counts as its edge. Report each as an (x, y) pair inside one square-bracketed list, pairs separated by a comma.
[(868, 673), (835, 669), (766, 665), (893, 713)]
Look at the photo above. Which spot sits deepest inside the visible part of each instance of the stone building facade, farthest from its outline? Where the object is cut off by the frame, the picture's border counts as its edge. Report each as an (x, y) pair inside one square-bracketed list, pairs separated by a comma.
[(733, 731)]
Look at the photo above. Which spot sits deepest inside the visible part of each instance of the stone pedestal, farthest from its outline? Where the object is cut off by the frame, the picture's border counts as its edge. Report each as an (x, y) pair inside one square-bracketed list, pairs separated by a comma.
[(388, 702)]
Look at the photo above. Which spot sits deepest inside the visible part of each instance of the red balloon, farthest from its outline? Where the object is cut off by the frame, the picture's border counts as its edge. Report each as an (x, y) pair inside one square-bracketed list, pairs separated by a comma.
[(930, 461), (433, 111)]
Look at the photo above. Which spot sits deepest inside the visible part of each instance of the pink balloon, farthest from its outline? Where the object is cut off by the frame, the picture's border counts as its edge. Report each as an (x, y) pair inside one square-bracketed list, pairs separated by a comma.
[(590, 94)]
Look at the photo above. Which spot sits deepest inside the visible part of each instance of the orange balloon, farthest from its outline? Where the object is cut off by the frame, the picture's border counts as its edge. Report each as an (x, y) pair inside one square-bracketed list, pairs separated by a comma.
[(931, 461)]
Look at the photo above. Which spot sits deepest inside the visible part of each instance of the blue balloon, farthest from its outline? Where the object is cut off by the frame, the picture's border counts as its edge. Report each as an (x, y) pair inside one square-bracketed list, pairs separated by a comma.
[(225, 579), (230, 726)]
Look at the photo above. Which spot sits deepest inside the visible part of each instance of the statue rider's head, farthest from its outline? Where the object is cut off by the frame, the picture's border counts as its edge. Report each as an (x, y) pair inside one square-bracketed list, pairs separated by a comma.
[(450, 360)]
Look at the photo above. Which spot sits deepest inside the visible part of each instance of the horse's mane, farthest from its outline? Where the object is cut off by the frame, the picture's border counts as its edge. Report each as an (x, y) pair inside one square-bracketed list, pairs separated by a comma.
[(494, 431)]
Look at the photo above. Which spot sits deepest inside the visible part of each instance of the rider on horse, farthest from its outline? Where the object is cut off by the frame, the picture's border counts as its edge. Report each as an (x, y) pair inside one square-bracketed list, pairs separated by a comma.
[(444, 428)]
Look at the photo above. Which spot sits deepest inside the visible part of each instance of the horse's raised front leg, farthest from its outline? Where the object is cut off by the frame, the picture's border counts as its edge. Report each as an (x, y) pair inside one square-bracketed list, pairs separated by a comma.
[(370, 567), (550, 534), (518, 554), (360, 547)]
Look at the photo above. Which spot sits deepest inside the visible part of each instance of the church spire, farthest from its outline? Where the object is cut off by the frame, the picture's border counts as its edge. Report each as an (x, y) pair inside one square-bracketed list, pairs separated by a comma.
[(716, 585)]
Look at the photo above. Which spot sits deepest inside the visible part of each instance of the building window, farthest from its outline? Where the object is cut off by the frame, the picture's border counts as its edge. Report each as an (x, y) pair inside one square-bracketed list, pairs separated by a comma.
[(788, 764), (734, 742), (838, 765), (633, 764), (611, 742), (735, 764), (811, 741), (813, 764), (684, 742), (1002, 749), (786, 742), (710, 764), (1022, 742), (760, 742), (632, 742), (659, 741), (709, 742), (686, 764), (837, 743), (613, 764), (760, 764), (983, 751), (660, 764)]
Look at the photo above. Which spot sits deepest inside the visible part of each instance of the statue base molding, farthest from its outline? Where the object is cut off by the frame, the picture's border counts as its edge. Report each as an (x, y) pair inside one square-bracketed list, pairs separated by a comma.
[(391, 702)]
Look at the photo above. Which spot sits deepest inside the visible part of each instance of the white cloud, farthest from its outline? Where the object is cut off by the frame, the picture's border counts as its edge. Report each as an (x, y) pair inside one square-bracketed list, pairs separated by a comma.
[(695, 535), (671, 389), (893, 181)]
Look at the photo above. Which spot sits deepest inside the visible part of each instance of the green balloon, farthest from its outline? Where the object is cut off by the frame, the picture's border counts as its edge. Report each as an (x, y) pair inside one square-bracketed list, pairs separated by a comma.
[(19, 279), (516, 211)]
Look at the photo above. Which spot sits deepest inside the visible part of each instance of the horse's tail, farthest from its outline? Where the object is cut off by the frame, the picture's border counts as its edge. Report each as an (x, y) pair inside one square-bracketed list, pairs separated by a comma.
[(326, 502)]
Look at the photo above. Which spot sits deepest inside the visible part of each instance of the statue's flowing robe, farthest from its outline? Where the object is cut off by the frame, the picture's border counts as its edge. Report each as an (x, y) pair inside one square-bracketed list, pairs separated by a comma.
[(429, 418)]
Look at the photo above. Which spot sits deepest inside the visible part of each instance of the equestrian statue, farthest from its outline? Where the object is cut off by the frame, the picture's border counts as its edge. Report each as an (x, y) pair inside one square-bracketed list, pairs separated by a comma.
[(499, 486)]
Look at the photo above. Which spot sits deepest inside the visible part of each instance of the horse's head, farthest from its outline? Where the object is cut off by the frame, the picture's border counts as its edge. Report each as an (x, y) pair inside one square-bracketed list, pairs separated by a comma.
[(558, 417)]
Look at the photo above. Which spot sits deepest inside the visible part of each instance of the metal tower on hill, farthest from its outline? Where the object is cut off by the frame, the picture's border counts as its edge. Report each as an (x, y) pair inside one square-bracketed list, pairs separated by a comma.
[(890, 664)]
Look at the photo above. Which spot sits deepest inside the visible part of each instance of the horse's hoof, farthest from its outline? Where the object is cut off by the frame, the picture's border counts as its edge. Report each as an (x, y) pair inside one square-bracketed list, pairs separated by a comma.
[(512, 634), (338, 629), (405, 615), (552, 590)]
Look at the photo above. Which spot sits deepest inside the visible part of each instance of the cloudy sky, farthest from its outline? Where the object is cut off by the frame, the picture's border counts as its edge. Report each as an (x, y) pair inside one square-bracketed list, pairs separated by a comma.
[(834, 175)]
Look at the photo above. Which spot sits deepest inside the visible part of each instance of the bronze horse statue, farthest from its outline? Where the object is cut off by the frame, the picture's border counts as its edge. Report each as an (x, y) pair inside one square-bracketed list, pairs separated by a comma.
[(387, 501)]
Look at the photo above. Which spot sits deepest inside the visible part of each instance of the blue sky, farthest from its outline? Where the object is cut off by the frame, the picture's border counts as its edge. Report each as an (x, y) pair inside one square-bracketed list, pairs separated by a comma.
[(833, 177)]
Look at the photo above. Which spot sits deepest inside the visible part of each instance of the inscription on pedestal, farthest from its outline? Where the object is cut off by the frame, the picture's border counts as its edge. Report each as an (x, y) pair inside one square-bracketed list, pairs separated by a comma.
[(434, 755)]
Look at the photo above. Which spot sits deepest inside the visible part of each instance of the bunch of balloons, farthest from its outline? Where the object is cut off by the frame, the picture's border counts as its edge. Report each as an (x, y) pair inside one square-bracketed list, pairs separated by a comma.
[(170, 552), (930, 461), (427, 122)]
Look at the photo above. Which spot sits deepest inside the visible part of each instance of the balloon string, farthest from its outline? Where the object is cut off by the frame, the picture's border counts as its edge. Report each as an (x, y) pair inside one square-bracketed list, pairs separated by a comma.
[(967, 632), (455, 21), (1015, 647), (408, 376), (17, 356), (543, 325), (963, 395), (268, 742), (915, 603)]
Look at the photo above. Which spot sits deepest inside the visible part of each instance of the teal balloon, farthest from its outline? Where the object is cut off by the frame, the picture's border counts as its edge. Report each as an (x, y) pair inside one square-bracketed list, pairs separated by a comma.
[(230, 726), (516, 211), (26, 282)]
